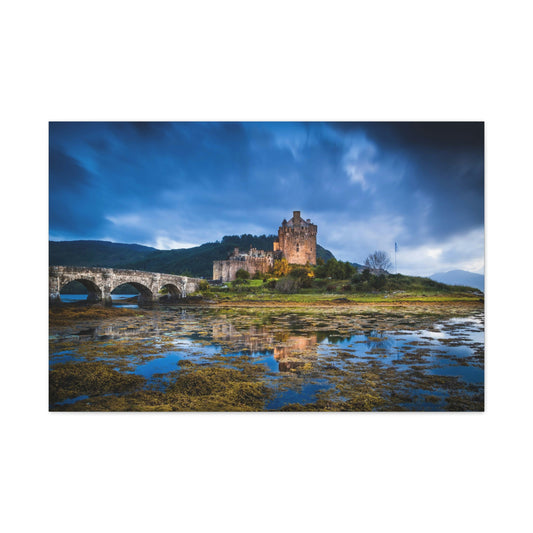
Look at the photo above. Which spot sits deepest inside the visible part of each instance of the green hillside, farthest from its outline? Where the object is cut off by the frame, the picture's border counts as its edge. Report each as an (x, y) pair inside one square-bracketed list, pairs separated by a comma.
[(197, 261), (95, 253)]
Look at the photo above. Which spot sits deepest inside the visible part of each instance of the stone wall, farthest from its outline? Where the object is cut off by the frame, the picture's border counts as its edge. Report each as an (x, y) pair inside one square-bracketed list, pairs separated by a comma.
[(227, 270)]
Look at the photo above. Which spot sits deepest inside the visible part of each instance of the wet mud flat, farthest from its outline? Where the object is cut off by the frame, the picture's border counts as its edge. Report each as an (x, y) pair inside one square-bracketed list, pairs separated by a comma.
[(371, 357)]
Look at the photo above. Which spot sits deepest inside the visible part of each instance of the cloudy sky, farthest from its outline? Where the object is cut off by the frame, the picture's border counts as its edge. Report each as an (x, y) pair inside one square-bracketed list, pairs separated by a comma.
[(366, 186)]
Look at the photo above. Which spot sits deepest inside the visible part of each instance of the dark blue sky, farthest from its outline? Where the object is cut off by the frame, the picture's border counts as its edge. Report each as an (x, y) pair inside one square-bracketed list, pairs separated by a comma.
[(366, 185)]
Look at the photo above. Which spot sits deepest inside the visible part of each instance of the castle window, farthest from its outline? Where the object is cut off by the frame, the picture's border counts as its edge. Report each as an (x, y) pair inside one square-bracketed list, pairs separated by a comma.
[(297, 246)]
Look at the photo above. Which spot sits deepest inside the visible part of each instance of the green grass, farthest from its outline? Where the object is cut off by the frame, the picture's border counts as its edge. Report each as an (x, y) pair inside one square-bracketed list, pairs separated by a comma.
[(255, 283), (310, 297), (397, 288)]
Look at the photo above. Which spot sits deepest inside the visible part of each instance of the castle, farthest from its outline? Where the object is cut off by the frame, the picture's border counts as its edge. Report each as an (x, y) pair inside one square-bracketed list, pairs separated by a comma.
[(296, 243)]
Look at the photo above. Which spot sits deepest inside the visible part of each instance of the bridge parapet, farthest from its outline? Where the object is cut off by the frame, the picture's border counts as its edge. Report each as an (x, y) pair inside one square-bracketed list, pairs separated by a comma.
[(100, 282)]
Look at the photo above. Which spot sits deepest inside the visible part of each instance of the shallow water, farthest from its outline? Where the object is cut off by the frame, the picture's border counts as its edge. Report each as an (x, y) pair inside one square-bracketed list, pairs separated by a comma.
[(344, 359), (116, 298)]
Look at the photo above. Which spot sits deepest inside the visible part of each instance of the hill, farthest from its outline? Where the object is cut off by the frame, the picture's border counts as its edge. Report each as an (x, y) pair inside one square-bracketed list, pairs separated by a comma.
[(197, 261), (460, 277), (95, 253)]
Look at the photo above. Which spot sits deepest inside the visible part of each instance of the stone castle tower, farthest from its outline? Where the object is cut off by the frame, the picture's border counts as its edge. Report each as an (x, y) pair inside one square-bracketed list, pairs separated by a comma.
[(296, 243), (297, 240)]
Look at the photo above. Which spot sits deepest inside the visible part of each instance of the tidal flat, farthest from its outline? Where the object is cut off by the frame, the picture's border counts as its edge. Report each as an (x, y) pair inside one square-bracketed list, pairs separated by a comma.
[(412, 356)]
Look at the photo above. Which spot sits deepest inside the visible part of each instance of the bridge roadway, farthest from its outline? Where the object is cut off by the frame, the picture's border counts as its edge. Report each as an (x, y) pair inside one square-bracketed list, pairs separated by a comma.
[(100, 282)]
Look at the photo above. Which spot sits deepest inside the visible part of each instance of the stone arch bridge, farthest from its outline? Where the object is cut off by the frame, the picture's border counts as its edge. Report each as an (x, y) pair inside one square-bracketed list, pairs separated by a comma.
[(100, 282)]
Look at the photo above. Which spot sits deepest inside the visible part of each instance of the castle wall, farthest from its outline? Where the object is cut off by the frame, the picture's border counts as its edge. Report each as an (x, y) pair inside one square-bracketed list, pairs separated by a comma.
[(227, 270)]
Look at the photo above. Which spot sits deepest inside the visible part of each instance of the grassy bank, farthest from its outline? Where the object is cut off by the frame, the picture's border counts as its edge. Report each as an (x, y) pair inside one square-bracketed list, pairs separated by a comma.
[(332, 292), (335, 299)]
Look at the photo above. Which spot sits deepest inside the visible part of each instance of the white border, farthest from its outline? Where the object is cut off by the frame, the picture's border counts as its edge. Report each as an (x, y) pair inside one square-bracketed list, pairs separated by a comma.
[(266, 61)]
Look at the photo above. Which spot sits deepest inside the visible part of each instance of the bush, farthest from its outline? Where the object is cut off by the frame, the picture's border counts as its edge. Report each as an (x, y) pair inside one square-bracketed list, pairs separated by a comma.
[(306, 283), (271, 284), (281, 267), (378, 282), (242, 274), (304, 275), (288, 285), (241, 286), (361, 286), (204, 286)]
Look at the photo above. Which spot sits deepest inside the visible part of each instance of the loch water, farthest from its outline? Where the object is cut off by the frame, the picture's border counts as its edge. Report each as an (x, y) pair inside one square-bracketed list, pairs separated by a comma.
[(346, 358)]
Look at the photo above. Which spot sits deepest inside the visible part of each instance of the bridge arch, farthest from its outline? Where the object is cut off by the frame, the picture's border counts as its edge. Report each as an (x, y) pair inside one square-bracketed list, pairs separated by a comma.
[(94, 292), (145, 293), (170, 291), (101, 282)]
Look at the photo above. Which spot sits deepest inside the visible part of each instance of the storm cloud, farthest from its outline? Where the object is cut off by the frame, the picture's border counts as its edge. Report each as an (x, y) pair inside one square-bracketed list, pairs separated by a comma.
[(366, 185)]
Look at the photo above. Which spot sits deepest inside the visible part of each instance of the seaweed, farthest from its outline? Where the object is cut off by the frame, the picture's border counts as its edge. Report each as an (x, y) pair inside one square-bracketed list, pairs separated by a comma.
[(71, 380), (330, 358), (198, 388)]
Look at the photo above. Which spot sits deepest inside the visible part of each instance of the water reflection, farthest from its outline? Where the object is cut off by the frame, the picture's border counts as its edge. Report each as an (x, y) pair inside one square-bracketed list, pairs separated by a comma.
[(119, 300), (289, 351), (302, 355), (285, 351), (252, 340)]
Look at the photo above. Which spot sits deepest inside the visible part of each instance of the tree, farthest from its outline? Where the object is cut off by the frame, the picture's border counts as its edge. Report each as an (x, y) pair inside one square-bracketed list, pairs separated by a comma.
[(321, 270), (379, 282), (379, 260), (335, 269), (349, 270)]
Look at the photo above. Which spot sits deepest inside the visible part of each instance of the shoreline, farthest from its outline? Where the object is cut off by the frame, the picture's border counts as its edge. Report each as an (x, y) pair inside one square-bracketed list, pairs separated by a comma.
[(72, 313), (339, 302)]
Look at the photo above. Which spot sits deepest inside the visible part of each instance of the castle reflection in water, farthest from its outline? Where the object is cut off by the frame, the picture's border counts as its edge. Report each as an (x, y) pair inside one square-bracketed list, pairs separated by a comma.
[(290, 351)]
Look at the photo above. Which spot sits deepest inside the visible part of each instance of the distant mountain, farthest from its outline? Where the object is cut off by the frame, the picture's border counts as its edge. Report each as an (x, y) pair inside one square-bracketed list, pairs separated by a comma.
[(197, 261), (322, 253), (95, 253), (460, 277)]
